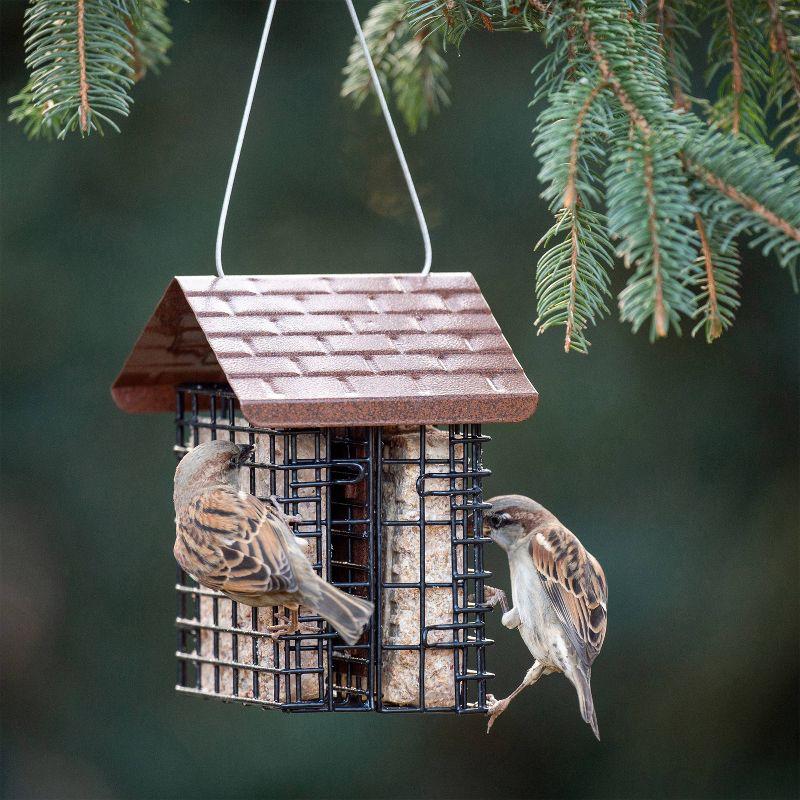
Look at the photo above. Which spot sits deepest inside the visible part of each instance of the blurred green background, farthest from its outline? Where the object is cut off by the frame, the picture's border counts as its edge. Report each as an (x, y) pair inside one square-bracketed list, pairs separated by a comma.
[(677, 464)]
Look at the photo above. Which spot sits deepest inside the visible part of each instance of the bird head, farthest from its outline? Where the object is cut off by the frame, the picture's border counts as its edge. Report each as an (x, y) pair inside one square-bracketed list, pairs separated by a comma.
[(512, 518), (213, 463)]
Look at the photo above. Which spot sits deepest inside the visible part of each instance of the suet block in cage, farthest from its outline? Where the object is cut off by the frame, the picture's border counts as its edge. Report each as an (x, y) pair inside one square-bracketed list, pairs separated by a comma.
[(363, 396)]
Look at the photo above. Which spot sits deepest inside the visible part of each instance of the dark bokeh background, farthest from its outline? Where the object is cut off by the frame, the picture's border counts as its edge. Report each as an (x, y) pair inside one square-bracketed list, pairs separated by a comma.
[(677, 464)]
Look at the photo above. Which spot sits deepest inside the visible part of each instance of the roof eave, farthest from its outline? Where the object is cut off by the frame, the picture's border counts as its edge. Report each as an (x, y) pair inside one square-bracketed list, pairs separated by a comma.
[(382, 411)]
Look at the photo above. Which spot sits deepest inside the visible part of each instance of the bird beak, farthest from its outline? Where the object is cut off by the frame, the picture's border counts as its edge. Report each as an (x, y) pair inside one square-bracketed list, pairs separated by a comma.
[(244, 453)]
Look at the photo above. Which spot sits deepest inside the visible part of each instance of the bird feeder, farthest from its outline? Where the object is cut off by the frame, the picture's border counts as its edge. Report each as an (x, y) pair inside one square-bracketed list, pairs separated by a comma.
[(363, 396)]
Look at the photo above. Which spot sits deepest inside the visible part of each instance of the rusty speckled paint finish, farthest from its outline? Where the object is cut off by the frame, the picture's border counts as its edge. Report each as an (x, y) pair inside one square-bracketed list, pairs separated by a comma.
[(329, 350)]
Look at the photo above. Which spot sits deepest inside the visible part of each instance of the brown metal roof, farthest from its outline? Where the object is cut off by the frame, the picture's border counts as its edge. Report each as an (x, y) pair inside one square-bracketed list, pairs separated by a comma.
[(331, 350)]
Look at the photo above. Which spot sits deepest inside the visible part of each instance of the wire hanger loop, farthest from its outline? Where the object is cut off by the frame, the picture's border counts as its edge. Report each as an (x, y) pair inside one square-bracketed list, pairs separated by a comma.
[(423, 227)]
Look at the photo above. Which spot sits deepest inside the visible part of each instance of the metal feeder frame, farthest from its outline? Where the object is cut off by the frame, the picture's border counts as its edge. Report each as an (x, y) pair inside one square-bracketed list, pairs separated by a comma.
[(346, 461)]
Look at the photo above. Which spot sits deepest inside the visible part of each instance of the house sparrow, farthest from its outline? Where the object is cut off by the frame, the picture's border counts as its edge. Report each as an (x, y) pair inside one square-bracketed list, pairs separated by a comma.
[(559, 595), (228, 540)]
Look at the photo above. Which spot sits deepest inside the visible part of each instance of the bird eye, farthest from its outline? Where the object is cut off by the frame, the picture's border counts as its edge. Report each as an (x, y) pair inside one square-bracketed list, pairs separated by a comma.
[(499, 520)]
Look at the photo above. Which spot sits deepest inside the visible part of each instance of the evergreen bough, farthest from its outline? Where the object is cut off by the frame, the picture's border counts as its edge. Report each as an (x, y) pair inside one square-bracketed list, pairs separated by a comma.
[(84, 57), (634, 163)]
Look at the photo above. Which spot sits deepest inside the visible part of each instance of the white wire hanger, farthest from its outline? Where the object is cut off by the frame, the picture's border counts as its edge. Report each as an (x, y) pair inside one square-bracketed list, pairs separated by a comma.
[(423, 227)]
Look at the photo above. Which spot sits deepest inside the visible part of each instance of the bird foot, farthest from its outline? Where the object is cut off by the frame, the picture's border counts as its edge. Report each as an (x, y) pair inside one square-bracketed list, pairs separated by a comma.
[(276, 503), (495, 597), (496, 708), (292, 519), (286, 627)]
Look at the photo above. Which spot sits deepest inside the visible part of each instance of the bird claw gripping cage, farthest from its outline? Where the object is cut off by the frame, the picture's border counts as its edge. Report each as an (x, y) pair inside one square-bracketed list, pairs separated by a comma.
[(363, 398)]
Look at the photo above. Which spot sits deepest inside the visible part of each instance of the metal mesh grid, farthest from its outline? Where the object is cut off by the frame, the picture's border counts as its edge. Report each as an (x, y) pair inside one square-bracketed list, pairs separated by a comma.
[(333, 479), (458, 478)]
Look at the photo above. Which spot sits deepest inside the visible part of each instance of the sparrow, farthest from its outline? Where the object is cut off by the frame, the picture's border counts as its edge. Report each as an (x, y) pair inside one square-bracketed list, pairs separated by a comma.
[(231, 541), (559, 596)]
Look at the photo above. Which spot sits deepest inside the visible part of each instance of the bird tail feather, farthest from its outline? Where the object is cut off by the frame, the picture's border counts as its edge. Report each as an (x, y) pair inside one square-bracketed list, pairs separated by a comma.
[(347, 613), (582, 683)]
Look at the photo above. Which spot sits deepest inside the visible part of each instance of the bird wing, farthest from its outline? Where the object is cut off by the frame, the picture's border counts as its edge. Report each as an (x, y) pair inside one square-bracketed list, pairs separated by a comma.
[(576, 585), (233, 542)]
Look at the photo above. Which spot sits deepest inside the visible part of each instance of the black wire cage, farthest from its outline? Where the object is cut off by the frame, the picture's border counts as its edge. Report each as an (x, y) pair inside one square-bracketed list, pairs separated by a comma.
[(363, 397), (425, 649)]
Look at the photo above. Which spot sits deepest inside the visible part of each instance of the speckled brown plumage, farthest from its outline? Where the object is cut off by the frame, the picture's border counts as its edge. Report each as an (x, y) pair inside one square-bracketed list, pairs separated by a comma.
[(576, 585), (559, 593), (230, 541)]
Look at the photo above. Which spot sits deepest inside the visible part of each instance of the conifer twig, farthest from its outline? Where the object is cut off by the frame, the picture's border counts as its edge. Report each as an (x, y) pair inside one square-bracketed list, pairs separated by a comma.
[(747, 202), (780, 44), (659, 313), (573, 283), (571, 193), (84, 83), (664, 16), (408, 62), (736, 67), (610, 78), (137, 64), (715, 323)]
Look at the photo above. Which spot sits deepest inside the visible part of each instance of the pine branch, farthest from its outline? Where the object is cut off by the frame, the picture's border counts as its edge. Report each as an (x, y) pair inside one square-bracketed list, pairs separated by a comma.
[(714, 323), (784, 93), (562, 64), (419, 81), (781, 45), (762, 195), (453, 19), (79, 60), (572, 132), (747, 202), (657, 269), (754, 194), (572, 279), (572, 275), (717, 268), (675, 26), (572, 323), (571, 190), (718, 278), (649, 210), (631, 109), (385, 22), (83, 83), (736, 68), (738, 52), (718, 271), (409, 65), (150, 38), (84, 56), (609, 132)]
